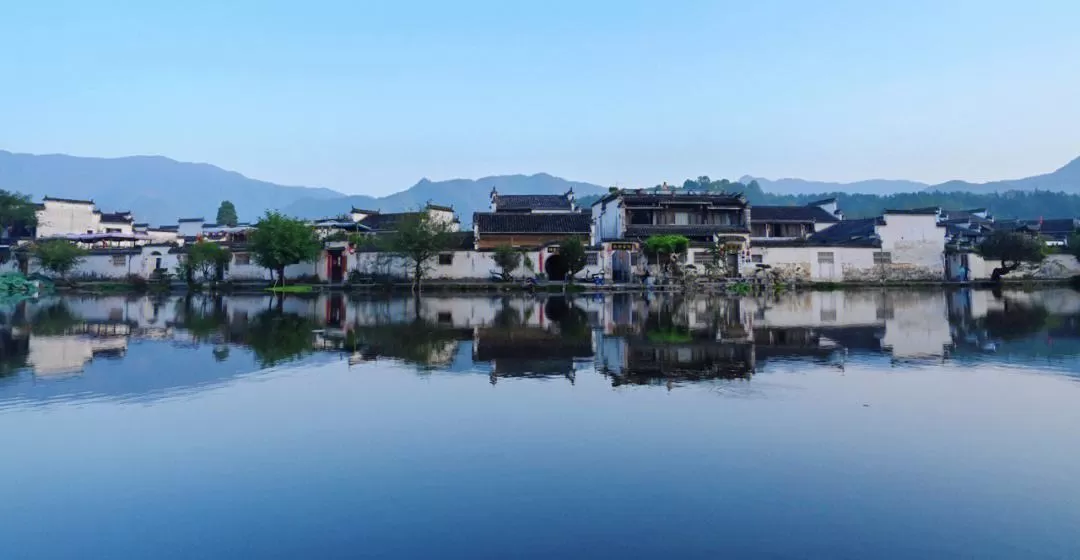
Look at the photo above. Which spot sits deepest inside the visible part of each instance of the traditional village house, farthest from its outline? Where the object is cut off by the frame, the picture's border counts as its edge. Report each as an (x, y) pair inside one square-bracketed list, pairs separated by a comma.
[(536, 225), (792, 222), (623, 220)]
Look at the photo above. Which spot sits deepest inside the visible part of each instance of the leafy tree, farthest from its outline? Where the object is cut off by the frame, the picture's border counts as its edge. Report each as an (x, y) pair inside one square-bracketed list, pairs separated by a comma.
[(419, 239), (208, 258), (16, 210), (573, 252), (663, 247), (278, 241), (58, 256), (226, 214), (1011, 248), (507, 259), (277, 336)]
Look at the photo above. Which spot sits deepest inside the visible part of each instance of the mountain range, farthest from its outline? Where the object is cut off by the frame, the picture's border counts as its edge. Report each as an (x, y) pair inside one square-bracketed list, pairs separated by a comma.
[(160, 190), (1065, 179)]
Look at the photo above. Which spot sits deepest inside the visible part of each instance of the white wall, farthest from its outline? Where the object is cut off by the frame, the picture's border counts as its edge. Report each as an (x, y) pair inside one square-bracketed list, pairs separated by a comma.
[(189, 229), (917, 245), (806, 263), (466, 265), (607, 220), (63, 218)]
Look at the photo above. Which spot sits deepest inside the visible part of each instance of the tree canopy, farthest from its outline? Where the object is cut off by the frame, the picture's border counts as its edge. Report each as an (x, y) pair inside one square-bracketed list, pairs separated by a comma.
[(419, 239), (1011, 248), (278, 241), (226, 214), (507, 259), (207, 258), (573, 252), (58, 256), (16, 210)]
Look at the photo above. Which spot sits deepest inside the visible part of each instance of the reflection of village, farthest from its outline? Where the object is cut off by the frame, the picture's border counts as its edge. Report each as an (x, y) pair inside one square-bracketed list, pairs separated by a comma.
[(633, 339)]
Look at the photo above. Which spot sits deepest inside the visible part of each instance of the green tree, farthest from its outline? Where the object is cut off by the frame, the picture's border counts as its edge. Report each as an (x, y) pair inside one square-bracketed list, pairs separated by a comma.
[(1011, 248), (573, 252), (226, 214), (662, 248), (58, 256), (419, 239), (277, 336), (16, 210), (507, 259), (278, 241), (208, 258)]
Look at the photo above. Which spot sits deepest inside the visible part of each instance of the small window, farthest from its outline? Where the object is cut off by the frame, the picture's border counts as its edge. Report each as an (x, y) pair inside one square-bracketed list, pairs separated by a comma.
[(445, 317), (703, 257), (757, 259), (242, 259), (826, 257), (119, 260), (882, 257), (828, 315), (446, 259), (592, 259)]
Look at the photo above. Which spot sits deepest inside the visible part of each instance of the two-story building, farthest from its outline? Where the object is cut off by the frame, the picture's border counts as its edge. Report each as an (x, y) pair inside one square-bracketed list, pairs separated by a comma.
[(793, 222), (623, 220)]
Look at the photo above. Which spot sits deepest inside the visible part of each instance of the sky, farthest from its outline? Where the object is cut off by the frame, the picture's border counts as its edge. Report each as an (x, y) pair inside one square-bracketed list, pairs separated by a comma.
[(368, 97)]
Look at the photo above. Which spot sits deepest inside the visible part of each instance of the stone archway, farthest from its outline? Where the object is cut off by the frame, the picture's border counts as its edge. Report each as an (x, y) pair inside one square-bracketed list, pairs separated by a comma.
[(556, 268)]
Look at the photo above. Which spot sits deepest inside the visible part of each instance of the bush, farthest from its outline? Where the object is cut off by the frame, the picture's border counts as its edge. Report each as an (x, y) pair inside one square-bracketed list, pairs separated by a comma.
[(137, 283)]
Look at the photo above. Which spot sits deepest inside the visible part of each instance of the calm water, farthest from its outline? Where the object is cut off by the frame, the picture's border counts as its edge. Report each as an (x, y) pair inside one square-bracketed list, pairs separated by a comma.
[(868, 424)]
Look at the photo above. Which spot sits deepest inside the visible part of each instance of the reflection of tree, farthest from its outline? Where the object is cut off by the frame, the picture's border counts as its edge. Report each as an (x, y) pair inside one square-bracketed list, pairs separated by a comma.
[(1016, 320), (203, 317), (573, 322), (14, 352), (277, 337), (54, 319), (418, 342)]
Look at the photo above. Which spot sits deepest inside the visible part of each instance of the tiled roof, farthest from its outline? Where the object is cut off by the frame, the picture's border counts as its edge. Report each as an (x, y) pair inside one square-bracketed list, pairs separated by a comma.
[(822, 202), (791, 214), (532, 202), (385, 222), (859, 233), (696, 230), (439, 207), (929, 211), (725, 199), (69, 200), (189, 220), (167, 228), (117, 218), (459, 241), (568, 222)]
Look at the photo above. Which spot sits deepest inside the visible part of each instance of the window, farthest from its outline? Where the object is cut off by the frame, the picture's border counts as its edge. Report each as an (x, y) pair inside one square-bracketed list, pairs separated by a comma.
[(445, 317), (703, 257), (242, 259), (592, 259), (446, 259), (882, 257), (826, 257), (119, 260), (757, 259)]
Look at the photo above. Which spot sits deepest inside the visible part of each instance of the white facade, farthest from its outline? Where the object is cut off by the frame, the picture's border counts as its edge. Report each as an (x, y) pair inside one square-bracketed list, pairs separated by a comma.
[(456, 265), (191, 227), (64, 217)]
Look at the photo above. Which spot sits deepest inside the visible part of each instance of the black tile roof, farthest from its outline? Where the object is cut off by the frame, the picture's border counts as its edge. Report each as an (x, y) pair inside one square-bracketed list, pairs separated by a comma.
[(822, 202), (117, 218), (71, 200), (167, 228), (385, 222), (814, 214), (439, 207), (520, 202), (498, 222), (724, 199), (459, 241), (929, 211), (856, 233), (690, 230), (189, 220)]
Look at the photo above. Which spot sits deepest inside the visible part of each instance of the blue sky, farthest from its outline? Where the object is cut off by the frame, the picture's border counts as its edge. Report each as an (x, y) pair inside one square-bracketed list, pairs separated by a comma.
[(369, 97)]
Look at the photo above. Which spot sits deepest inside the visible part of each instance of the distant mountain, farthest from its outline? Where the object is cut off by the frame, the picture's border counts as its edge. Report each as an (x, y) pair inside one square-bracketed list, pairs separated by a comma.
[(1066, 179), (464, 195), (802, 186), (156, 189)]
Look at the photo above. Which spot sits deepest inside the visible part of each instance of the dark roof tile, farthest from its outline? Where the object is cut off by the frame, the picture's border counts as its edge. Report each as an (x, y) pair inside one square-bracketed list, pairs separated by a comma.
[(521, 202), (791, 214), (858, 233), (568, 222)]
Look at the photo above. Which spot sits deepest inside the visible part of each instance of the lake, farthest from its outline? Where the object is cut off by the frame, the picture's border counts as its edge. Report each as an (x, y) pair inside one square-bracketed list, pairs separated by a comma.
[(850, 424)]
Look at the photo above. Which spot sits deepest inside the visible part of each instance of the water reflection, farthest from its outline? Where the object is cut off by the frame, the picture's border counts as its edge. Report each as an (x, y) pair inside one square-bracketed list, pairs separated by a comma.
[(136, 347)]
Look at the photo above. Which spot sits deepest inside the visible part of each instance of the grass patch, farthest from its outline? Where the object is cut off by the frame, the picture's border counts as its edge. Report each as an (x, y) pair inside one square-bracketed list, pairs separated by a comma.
[(294, 289)]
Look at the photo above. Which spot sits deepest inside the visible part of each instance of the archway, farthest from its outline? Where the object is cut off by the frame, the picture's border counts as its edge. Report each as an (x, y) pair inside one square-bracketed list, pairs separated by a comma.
[(555, 267)]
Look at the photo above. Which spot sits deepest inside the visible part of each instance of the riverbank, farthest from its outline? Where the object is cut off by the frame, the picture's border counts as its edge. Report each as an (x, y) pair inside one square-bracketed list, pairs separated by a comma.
[(734, 286)]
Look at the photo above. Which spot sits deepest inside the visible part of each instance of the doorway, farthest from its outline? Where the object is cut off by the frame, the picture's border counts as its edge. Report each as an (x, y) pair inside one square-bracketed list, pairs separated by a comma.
[(556, 268), (335, 266)]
